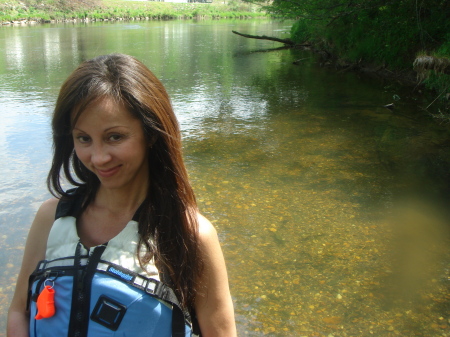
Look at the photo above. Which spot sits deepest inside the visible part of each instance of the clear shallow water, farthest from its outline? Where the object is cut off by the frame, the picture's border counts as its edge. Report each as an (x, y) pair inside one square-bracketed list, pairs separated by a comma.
[(293, 164)]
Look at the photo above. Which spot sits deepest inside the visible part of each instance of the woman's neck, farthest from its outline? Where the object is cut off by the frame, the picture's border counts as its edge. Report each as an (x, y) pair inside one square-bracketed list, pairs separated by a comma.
[(120, 201)]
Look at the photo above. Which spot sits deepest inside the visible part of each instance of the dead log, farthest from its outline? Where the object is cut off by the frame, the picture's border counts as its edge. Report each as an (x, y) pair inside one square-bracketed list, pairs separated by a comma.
[(423, 64), (264, 37)]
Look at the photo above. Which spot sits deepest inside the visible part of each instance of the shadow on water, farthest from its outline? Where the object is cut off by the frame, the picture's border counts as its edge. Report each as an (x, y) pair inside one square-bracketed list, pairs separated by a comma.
[(250, 52)]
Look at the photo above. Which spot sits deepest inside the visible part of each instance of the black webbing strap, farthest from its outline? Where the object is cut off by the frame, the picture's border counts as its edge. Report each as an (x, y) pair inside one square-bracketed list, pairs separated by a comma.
[(77, 295), (190, 315), (163, 292), (81, 296), (69, 206), (178, 322), (32, 296), (90, 272)]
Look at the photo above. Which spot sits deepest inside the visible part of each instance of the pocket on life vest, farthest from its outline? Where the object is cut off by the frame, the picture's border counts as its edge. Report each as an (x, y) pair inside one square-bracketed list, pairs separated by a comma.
[(119, 309)]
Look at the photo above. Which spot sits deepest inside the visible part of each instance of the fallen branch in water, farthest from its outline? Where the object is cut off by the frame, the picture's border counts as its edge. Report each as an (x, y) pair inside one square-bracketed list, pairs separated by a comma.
[(264, 37)]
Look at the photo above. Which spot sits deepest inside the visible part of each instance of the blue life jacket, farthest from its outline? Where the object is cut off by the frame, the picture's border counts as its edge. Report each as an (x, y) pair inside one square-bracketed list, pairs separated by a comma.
[(96, 297)]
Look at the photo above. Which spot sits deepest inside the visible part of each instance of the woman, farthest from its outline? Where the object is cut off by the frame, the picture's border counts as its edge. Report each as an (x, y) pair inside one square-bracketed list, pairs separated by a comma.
[(131, 222)]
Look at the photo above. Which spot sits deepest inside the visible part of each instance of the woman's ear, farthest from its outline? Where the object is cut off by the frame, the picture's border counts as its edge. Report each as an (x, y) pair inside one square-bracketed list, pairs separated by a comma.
[(152, 139)]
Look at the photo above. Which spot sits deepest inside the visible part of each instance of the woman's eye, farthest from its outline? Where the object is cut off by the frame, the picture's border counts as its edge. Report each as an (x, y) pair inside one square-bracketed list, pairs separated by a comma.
[(115, 138), (83, 139)]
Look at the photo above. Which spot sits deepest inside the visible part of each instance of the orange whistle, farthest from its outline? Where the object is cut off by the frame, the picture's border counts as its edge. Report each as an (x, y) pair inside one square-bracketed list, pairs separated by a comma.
[(46, 303)]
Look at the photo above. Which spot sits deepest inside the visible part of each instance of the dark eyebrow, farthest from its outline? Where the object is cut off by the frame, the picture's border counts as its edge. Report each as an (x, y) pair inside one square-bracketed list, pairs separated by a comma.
[(116, 126), (106, 130)]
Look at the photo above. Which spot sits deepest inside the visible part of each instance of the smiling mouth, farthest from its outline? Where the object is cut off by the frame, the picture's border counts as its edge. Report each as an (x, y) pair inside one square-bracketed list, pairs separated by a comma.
[(108, 173)]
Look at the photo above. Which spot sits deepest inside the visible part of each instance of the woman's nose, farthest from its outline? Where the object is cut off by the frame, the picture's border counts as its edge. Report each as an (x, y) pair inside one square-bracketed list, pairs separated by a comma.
[(100, 155)]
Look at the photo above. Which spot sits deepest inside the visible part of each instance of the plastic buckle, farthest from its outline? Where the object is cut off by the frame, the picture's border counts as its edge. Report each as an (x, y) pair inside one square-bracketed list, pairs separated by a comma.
[(150, 287)]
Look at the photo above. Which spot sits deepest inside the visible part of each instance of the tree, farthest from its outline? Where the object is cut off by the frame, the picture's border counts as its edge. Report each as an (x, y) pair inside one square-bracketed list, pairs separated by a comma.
[(381, 31)]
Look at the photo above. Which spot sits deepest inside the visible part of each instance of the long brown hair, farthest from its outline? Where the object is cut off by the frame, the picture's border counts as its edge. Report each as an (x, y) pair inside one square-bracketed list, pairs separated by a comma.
[(168, 226)]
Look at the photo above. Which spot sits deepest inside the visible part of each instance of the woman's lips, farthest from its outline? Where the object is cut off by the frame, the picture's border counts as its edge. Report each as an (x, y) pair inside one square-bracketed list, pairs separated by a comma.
[(108, 173)]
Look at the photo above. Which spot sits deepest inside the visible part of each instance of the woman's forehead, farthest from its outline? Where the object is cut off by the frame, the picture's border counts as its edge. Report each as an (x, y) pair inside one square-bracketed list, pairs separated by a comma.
[(106, 103)]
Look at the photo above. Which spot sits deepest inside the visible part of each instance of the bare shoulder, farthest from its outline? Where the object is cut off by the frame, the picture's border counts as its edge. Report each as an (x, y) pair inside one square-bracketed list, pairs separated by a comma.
[(207, 237), (42, 223), (205, 228), (46, 213), (38, 234), (49, 206), (209, 244)]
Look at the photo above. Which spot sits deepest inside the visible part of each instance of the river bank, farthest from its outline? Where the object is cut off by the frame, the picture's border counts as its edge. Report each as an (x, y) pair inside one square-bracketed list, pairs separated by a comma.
[(19, 13), (394, 37), (431, 80)]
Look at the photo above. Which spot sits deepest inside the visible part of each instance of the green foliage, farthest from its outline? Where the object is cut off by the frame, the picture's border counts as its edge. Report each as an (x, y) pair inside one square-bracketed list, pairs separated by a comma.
[(374, 31), (379, 36), (437, 80), (44, 10), (301, 31), (444, 49)]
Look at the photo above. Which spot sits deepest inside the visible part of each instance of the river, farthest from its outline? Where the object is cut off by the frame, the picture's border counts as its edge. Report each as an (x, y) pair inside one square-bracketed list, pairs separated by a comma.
[(325, 202)]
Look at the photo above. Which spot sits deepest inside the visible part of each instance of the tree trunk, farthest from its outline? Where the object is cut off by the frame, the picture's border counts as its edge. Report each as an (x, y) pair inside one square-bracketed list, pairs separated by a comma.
[(264, 37)]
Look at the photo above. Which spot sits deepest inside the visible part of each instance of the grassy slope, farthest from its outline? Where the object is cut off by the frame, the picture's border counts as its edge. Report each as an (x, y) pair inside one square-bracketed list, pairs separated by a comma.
[(389, 41), (14, 10)]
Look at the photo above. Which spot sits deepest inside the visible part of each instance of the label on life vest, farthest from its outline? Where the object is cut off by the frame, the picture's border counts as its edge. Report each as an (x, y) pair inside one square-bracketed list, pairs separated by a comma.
[(121, 274)]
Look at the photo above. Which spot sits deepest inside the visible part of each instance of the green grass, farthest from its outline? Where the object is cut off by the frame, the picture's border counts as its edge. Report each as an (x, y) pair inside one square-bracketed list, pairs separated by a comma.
[(13, 10)]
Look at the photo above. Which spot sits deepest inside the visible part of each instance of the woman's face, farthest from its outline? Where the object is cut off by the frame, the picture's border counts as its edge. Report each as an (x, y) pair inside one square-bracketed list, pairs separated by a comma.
[(110, 142)]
